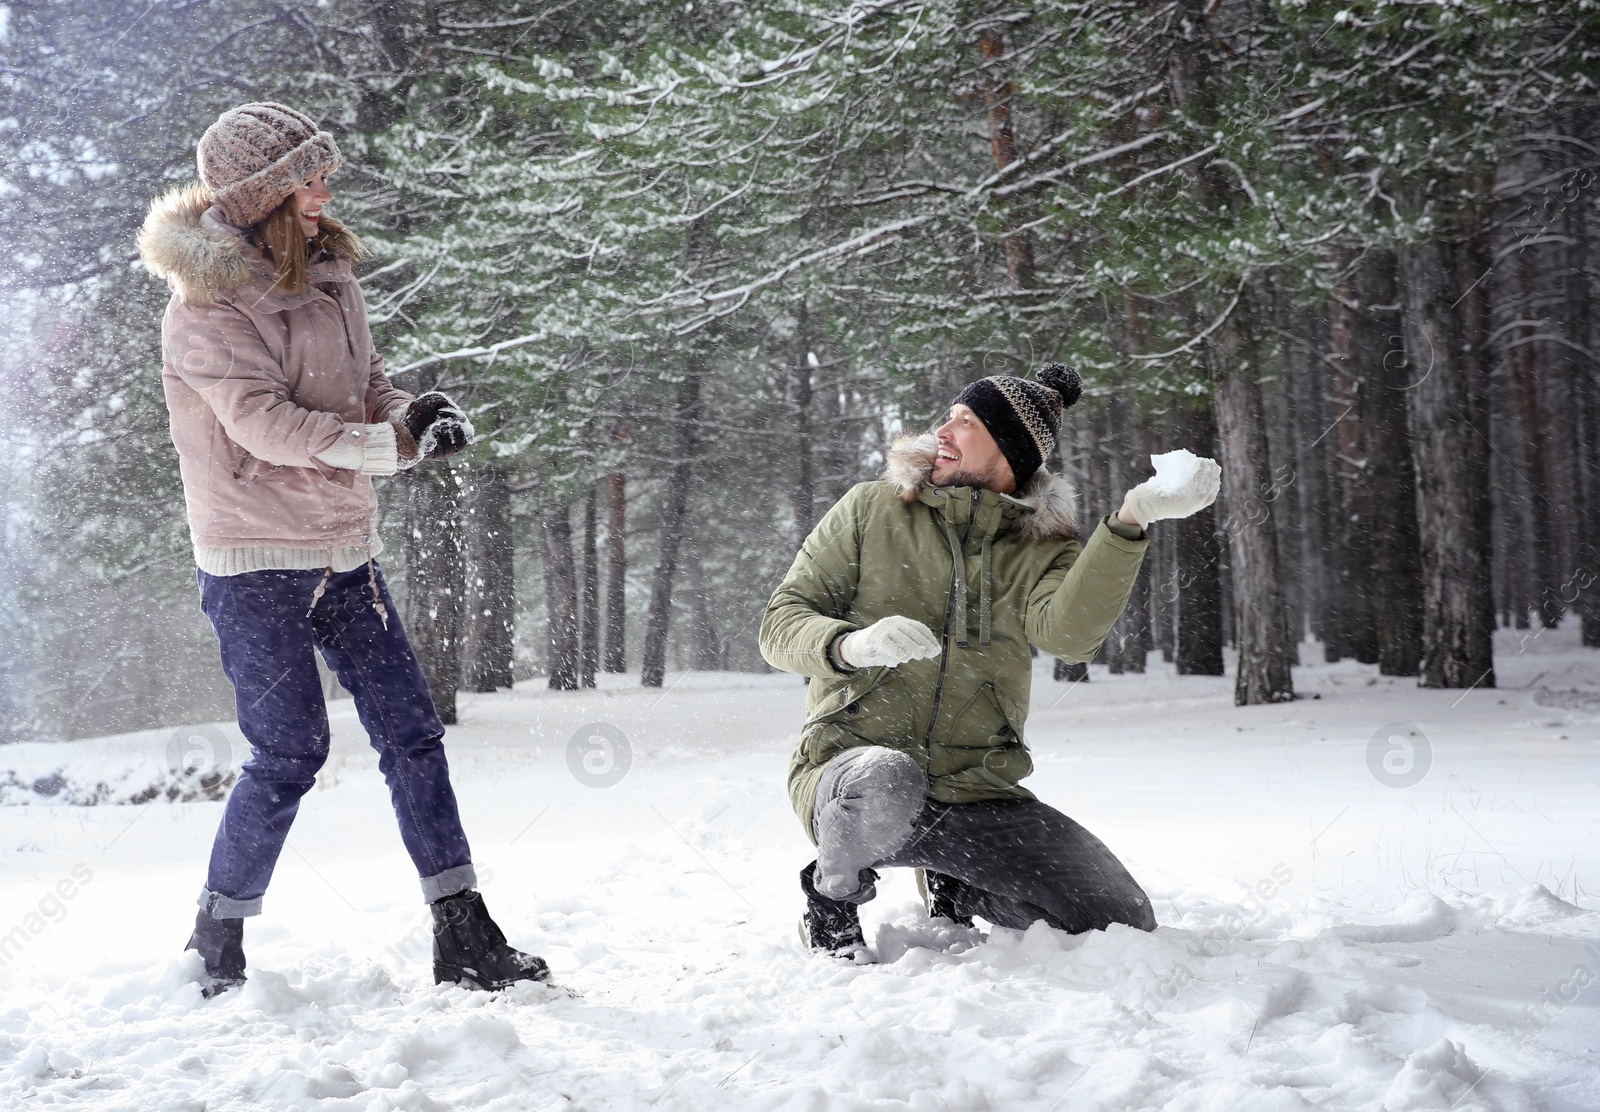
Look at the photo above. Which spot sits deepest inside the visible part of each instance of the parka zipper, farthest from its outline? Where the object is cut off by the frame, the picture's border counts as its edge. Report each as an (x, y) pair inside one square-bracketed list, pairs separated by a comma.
[(944, 636)]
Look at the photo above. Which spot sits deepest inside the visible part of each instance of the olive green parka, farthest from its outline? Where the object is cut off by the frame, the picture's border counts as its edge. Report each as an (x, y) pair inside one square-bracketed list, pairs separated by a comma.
[(890, 547)]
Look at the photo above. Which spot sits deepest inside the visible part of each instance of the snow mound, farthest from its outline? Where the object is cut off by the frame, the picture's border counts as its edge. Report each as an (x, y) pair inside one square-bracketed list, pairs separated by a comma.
[(187, 765), (1440, 1076), (75, 788)]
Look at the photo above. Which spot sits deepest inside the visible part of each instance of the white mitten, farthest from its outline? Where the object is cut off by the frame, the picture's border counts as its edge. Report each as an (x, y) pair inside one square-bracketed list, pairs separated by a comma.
[(1184, 483), (887, 642)]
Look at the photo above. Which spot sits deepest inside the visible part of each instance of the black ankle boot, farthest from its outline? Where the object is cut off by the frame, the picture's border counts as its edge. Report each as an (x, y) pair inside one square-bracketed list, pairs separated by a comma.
[(221, 943), (468, 949), (942, 894), (833, 926)]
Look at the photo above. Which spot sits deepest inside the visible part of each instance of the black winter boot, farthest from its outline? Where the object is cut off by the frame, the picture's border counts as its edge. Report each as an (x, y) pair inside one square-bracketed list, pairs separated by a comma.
[(468, 949), (941, 892), (833, 926), (221, 943)]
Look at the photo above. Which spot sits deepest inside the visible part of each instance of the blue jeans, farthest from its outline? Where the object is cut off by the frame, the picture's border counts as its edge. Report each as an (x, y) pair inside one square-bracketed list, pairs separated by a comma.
[(266, 637)]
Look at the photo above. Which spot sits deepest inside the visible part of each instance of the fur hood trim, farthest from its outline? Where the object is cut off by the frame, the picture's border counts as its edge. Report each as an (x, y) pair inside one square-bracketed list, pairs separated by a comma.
[(1051, 499), (205, 259)]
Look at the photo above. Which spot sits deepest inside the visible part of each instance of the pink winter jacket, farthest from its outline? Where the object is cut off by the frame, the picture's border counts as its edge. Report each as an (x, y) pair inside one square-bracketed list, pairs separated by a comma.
[(258, 383)]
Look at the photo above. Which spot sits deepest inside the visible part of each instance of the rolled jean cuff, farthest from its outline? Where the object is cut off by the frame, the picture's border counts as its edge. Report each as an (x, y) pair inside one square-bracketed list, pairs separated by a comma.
[(462, 878), (219, 906)]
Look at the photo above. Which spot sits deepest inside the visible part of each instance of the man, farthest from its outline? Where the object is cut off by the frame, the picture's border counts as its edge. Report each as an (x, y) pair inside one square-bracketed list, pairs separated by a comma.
[(911, 606)]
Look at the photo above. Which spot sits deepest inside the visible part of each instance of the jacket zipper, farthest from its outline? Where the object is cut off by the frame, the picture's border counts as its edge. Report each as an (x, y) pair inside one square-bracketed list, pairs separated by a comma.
[(944, 637)]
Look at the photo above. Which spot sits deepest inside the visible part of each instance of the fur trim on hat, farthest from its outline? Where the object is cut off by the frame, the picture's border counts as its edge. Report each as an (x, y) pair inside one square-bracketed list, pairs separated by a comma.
[(1051, 498), (202, 265)]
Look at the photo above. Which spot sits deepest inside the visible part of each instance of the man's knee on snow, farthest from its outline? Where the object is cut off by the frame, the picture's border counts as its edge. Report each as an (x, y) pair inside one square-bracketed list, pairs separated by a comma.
[(867, 800), (1141, 914), (1100, 910), (888, 780)]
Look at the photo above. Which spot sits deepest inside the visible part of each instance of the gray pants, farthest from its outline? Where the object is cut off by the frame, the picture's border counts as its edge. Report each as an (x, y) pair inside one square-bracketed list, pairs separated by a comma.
[(1019, 860)]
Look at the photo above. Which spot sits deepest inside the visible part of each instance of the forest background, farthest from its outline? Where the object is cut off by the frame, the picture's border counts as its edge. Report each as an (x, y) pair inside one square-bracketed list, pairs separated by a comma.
[(691, 266)]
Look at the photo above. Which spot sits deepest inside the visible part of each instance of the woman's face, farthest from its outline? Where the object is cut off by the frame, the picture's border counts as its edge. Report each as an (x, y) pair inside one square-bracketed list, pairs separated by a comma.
[(308, 202)]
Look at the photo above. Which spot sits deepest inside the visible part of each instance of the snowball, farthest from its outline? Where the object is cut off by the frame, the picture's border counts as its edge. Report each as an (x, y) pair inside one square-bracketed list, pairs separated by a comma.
[(1175, 471)]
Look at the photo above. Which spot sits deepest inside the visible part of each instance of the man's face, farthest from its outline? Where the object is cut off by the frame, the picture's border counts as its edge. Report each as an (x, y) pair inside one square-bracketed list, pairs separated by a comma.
[(968, 455)]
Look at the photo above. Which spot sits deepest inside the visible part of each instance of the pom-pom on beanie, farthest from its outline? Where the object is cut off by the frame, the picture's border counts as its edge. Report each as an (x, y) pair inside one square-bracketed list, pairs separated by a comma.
[(255, 155), (1023, 416)]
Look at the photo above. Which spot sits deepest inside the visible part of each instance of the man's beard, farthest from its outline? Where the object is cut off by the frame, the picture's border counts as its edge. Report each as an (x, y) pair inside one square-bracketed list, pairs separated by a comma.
[(958, 478)]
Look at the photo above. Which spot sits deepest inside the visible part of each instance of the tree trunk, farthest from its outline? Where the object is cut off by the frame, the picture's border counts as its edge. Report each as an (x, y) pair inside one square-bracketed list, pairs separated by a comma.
[(674, 520), (1391, 482), (1129, 638), (1541, 538), (392, 26), (1230, 633), (1584, 587), (1449, 455), (1334, 401), (1067, 449), (1163, 595), (1197, 555), (617, 574), (1474, 261), (705, 650), (997, 97), (589, 597), (1511, 568), (1558, 397), (1263, 673), (1279, 425), (1099, 470), (1283, 440), (492, 600), (1351, 630), (1308, 377), (1071, 673), (838, 455), (1232, 354), (561, 596), (1585, 584), (435, 580), (804, 493)]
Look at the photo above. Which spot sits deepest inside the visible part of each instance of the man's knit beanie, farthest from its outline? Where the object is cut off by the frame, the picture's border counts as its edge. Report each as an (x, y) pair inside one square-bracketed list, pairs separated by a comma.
[(255, 155), (1022, 416)]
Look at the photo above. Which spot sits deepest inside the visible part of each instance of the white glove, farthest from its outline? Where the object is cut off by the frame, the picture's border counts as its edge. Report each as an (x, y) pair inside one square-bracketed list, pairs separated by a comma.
[(887, 642), (1184, 483)]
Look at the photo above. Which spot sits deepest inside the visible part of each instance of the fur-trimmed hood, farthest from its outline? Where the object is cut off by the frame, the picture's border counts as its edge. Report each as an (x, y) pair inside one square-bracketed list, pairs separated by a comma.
[(1049, 501), (186, 240)]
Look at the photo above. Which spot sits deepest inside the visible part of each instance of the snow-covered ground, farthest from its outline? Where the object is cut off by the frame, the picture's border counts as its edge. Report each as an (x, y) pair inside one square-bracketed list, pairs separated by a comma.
[(1332, 934)]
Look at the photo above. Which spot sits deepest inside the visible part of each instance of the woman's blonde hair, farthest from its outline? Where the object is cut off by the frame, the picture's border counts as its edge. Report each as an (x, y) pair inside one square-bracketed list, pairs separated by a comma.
[(285, 245)]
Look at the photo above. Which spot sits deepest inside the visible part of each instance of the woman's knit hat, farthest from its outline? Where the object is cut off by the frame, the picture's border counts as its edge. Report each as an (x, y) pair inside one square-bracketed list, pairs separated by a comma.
[(255, 155), (1022, 416)]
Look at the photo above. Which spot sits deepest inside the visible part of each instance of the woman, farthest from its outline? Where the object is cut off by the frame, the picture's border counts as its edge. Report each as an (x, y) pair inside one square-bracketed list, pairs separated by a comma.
[(281, 414)]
